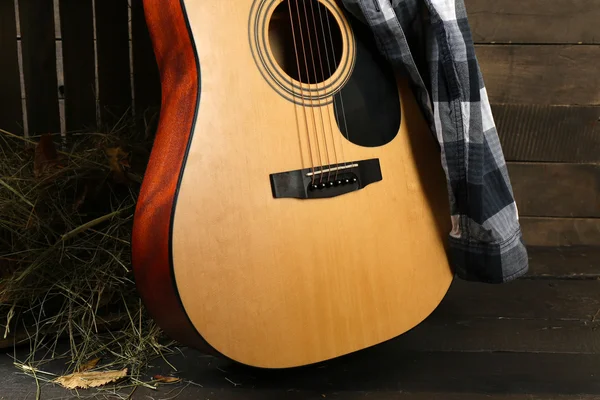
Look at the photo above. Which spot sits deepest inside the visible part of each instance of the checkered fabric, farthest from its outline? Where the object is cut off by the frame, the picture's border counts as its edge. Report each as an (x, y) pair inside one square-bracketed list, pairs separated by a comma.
[(430, 41)]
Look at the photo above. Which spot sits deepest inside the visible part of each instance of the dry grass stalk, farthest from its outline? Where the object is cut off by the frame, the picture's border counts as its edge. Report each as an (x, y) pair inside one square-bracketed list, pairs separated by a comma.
[(66, 211)]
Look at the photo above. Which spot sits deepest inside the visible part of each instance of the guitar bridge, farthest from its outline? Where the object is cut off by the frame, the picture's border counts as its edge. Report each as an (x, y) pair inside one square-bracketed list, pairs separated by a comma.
[(325, 181)]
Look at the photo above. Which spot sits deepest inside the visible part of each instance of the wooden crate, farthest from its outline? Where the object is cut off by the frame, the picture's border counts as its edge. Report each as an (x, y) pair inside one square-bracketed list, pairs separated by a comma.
[(74, 65)]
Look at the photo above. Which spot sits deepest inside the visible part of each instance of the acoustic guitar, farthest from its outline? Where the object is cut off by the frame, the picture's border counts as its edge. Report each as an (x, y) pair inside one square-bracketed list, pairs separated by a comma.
[(294, 208)]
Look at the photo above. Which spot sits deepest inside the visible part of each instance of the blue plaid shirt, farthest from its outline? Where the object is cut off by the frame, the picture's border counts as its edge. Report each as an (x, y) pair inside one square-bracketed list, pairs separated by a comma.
[(430, 41)]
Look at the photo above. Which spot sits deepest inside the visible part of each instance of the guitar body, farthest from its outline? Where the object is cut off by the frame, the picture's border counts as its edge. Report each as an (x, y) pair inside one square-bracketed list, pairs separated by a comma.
[(234, 251)]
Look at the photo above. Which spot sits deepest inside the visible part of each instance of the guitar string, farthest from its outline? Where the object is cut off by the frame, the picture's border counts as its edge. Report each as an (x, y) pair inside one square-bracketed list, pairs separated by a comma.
[(310, 99), (347, 134), (301, 96), (312, 10), (316, 79), (328, 62)]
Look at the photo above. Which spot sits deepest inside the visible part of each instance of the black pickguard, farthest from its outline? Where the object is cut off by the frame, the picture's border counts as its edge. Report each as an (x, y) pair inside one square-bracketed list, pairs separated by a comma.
[(369, 101)]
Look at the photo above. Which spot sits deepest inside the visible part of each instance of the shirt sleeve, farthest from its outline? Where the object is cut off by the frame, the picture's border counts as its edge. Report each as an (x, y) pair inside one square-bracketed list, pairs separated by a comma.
[(485, 243)]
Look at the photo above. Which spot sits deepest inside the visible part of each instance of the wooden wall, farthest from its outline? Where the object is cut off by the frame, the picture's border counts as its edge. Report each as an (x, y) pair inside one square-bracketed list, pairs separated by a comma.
[(540, 61), (69, 65)]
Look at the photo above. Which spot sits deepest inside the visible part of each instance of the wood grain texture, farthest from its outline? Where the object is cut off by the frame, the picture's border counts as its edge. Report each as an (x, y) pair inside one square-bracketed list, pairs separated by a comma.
[(39, 65), (212, 382), (389, 368), (551, 299), (503, 334), (561, 231), (532, 74), (556, 189), (151, 252), (194, 393), (21, 389), (388, 371), (534, 21), (11, 115), (112, 37), (280, 282), (531, 315), (564, 262), (551, 133), (77, 32)]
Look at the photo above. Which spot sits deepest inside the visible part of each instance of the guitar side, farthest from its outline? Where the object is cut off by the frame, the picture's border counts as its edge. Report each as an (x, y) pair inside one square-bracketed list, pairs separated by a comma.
[(153, 223)]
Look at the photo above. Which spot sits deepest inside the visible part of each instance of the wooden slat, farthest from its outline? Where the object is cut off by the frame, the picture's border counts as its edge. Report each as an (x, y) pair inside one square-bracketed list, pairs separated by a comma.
[(388, 367), (186, 391), (565, 262), (11, 115), (194, 393), (39, 65), (531, 132), (18, 386), (534, 21), (561, 231), (503, 334), (112, 34), (146, 77), (549, 299), (524, 316), (77, 31), (556, 189), (532, 74)]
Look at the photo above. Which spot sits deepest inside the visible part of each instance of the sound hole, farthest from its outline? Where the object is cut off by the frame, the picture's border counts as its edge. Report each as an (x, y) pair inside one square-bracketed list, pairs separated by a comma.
[(317, 36)]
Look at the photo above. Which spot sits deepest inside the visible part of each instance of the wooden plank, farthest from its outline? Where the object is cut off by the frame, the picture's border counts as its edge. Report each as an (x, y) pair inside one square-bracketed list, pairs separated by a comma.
[(112, 35), (195, 393), (566, 262), (77, 31), (532, 74), (147, 90), (525, 316), (547, 299), (561, 231), (21, 387), (385, 369), (552, 133), (11, 115), (39, 65), (556, 189), (388, 367), (501, 334), (534, 21)]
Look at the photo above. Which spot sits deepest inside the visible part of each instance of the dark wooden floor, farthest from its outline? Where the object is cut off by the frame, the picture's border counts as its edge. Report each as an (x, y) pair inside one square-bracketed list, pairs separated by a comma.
[(535, 338)]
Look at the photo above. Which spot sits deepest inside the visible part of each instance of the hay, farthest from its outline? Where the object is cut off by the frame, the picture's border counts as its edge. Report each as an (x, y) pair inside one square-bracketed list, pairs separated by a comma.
[(66, 211)]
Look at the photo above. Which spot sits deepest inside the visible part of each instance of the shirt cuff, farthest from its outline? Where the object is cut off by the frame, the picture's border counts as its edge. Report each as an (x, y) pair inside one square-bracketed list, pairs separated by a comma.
[(497, 262)]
